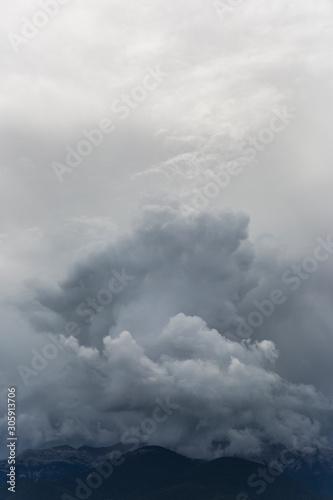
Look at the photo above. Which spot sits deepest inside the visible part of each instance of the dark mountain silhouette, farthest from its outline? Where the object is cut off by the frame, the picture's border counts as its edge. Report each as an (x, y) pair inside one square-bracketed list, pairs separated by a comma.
[(149, 473)]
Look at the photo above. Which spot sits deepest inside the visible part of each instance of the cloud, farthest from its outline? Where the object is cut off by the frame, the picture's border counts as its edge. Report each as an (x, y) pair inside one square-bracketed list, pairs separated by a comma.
[(225, 77), (196, 274), (162, 336)]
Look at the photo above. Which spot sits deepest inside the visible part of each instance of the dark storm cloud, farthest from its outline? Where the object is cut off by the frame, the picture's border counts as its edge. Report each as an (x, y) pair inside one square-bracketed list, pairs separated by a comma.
[(186, 280), (163, 333)]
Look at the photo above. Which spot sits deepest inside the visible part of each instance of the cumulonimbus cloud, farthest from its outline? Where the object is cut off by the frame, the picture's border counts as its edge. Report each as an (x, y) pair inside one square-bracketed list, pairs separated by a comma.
[(161, 336)]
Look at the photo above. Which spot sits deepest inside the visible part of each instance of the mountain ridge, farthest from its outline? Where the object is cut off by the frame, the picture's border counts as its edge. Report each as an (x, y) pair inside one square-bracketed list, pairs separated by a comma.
[(152, 472)]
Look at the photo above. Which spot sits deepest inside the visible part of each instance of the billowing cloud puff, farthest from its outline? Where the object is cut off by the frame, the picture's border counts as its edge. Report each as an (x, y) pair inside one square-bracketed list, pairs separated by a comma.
[(152, 317)]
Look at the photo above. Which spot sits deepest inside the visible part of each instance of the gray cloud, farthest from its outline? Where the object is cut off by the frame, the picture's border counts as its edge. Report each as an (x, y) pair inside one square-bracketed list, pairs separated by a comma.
[(191, 277), (195, 275)]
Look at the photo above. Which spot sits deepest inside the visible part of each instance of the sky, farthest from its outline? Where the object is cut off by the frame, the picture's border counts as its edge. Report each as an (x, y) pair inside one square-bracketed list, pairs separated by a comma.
[(165, 230)]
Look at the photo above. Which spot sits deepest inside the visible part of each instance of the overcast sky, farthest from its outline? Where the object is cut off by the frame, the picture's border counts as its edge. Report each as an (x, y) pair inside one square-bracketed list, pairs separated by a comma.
[(188, 147)]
